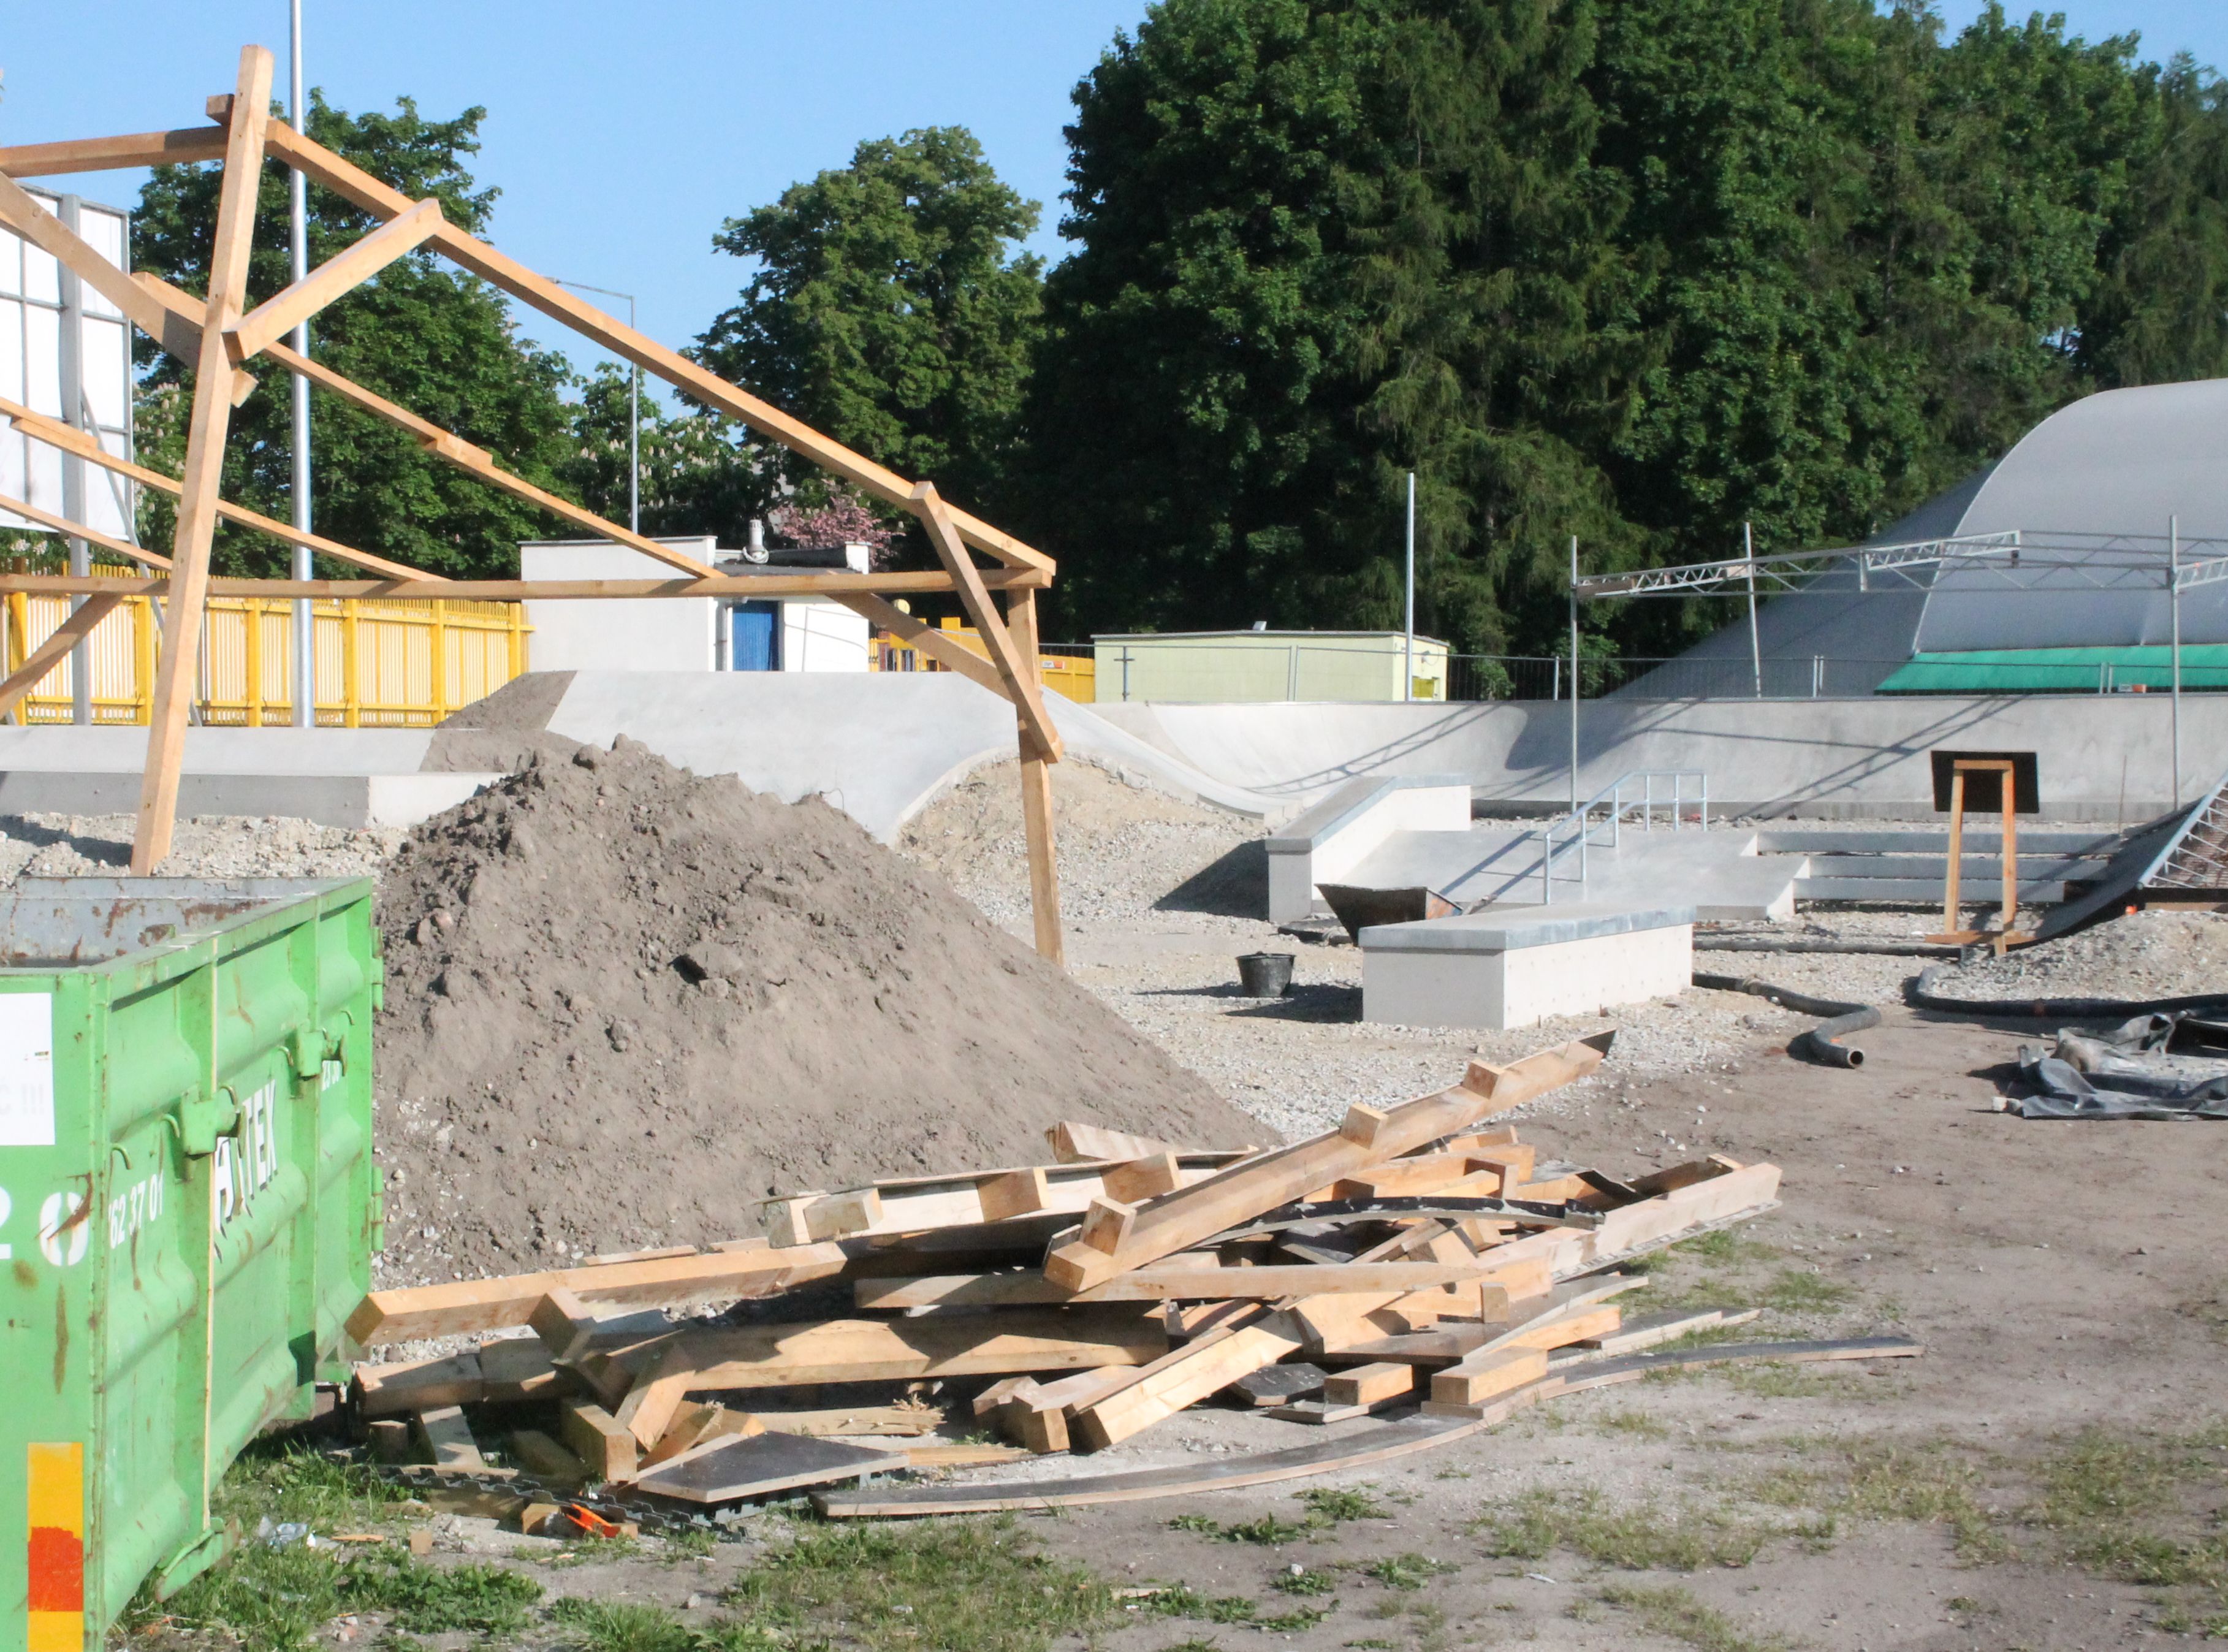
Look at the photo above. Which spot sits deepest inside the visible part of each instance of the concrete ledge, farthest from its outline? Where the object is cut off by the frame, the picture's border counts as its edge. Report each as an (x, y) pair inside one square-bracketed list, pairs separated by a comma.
[(1326, 842), (1510, 929), (349, 800), (1516, 969)]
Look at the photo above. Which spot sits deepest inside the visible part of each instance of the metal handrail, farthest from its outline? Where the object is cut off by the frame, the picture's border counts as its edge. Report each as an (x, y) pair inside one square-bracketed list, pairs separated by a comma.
[(1580, 820)]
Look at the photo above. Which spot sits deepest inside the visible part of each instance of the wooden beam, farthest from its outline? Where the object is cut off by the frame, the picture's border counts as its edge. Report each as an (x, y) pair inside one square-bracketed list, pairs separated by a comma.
[(975, 597), (204, 468), (51, 653), (1181, 1378), (950, 655), (352, 183), (873, 1350), (85, 446), (419, 585), (178, 333), (1194, 1214), (1076, 1143), (111, 154), (283, 312), (1193, 1276), (477, 461), (62, 524), (468, 1305), (1036, 792)]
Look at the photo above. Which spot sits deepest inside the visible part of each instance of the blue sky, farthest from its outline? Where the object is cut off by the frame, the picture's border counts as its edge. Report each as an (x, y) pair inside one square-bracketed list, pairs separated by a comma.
[(622, 136)]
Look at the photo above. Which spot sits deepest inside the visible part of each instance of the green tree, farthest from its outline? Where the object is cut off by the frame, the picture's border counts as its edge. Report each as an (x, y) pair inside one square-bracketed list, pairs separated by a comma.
[(702, 473), (437, 341), (890, 308)]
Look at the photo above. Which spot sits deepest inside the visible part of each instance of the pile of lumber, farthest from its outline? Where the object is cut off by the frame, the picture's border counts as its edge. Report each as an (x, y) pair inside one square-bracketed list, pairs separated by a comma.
[(1416, 1257)]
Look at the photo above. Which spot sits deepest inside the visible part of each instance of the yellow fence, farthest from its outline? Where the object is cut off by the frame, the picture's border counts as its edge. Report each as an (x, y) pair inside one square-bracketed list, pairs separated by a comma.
[(1075, 674), (382, 663)]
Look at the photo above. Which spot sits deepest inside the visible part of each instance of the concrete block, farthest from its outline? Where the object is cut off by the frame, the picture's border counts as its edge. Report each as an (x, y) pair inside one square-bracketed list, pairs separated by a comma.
[(1515, 967), (1323, 845)]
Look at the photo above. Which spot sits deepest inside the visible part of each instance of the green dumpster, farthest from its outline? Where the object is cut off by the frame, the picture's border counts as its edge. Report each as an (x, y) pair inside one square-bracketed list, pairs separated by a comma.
[(188, 1212)]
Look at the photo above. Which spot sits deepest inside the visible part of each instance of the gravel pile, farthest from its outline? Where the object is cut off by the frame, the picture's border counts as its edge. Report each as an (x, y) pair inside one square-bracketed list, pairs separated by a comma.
[(77, 846), (2153, 954)]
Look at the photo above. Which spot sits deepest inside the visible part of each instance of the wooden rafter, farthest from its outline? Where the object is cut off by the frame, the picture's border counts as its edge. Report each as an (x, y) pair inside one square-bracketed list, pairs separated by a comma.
[(62, 524), (204, 469), (279, 314), (837, 586), (951, 654), (49, 654), (71, 439), (107, 154), (1017, 676)]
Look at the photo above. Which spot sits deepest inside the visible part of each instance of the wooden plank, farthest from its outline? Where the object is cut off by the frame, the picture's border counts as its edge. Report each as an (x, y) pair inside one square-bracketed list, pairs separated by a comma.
[(1487, 1374), (650, 1404), (1036, 792), (518, 1370), (544, 1458), (343, 273), (903, 1418), (389, 1438), (407, 1388), (1018, 674), (180, 148), (1191, 1277), (952, 655), (1017, 1193), (1143, 1179), (608, 1450), (352, 183), (1180, 1379), (1078, 1143), (760, 1464), (179, 333), (447, 1440), (872, 1350), (51, 653), (1195, 1213), (416, 585), (85, 446), (1368, 1385), (1698, 1204), (468, 1305), (960, 1456), (1564, 1329), (1649, 1330), (915, 1204)]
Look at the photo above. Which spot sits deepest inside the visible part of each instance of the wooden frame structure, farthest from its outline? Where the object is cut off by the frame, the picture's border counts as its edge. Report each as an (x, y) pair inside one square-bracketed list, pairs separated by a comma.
[(221, 334)]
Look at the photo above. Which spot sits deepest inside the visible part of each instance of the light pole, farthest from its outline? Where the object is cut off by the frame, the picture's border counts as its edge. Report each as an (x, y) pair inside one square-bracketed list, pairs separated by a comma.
[(305, 621), (1408, 643), (634, 410)]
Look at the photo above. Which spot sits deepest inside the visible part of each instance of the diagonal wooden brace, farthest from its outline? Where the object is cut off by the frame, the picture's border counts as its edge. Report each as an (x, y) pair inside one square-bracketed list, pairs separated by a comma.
[(62, 524), (1019, 682), (282, 312), (50, 653)]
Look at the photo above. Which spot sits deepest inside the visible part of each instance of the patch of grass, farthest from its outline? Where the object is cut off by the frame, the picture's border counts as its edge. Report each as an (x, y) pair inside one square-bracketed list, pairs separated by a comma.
[(1935, 1483), (1675, 1613), (1227, 1609), (1638, 1424), (2126, 1507), (695, 1544), (1374, 1646), (1266, 1530), (1797, 1290), (1193, 1645), (1321, 1581), (1206, 1525), (954, 1585), (481, 1600), (1292, 1622), (1725, 1246), (1643, 1537), (1328, 1506), (588, 1551), (616, 1626), (1406, 1570)]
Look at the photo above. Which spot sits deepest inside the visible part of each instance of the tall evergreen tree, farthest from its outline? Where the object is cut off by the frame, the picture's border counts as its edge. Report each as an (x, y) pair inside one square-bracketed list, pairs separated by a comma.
[(437, 341)]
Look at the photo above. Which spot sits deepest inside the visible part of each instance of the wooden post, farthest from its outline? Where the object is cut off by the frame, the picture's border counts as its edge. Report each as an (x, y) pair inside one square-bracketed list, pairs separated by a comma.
[(351, 663), (1949, 906), (213, 379), (252, 614), (2010, 801), (439, 684), (144, 643), (1036, 790)]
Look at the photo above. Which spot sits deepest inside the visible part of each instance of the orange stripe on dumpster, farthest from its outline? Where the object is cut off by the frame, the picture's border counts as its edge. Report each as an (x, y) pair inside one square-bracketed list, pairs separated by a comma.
[(54, 1482)]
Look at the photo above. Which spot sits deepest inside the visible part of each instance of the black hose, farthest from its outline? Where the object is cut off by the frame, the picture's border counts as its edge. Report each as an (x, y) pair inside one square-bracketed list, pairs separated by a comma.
[(1819, 1043), (1920, 995), (1777, 944)]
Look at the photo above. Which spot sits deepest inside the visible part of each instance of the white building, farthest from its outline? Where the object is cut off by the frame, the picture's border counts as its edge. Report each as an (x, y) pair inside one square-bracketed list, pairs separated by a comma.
[(690, 633)]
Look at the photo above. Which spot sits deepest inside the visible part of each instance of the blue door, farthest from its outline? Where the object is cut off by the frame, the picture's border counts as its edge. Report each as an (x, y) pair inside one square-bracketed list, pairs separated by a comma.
[(754, 636)]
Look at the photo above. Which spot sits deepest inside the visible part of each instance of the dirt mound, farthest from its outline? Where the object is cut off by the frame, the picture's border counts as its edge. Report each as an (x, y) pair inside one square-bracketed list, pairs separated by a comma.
[(624, 1004)]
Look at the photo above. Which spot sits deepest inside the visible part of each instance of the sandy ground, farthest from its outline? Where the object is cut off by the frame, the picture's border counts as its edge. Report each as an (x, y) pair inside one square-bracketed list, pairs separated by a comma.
[(2066, 1280)]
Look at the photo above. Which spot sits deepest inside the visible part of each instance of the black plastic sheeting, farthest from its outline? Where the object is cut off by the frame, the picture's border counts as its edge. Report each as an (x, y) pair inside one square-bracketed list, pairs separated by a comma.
[(2138, 1070)]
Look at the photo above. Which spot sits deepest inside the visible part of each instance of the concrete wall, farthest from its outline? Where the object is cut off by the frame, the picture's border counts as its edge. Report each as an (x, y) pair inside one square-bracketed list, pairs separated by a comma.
[(2103, 757), (818, 636), (1329, 840), (680, 634)]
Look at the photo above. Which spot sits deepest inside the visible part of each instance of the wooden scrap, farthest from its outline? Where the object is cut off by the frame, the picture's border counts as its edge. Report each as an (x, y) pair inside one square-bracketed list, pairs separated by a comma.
[(468, 1305), (1187, 1217), (1180, 1379), (1074, 1143), (1193, 1276), (389, 1438), (757, 1466), (961, 1455), (911, 1417), (1279, 1385), (916, 1204), (700, 1425), (1485, 1375), (609, 1451), (446, 1438), (544, 1458), (403, 1389), (517, 1370), (1368, 1384), (1650, 1329)]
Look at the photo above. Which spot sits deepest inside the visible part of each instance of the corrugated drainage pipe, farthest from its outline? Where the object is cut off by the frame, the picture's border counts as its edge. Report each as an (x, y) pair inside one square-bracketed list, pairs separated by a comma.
[(1819, 1043)]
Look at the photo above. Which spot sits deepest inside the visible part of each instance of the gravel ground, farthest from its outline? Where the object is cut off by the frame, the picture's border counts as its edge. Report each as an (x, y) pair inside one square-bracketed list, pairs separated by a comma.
[(2150, 955), (77, 846)]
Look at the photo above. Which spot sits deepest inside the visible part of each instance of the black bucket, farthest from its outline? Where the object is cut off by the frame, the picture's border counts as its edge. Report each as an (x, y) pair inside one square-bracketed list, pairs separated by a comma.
[(1265, 975)]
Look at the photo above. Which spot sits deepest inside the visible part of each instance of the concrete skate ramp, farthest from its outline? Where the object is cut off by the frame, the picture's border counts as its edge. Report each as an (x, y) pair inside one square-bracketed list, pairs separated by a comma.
[(2103, 756), (878, 746)]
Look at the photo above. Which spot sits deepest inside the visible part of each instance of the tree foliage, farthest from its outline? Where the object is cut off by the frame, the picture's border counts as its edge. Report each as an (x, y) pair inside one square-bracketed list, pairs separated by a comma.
[(889, 309), (437, 343), (1637, 271)]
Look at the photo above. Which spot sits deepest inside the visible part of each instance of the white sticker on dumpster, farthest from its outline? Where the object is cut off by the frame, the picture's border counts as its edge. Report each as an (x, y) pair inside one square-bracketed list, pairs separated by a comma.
[(27, 1069)]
